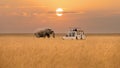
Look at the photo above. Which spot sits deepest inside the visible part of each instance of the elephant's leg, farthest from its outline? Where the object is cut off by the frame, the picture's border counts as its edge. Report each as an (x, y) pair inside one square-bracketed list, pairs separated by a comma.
[(48, 35)]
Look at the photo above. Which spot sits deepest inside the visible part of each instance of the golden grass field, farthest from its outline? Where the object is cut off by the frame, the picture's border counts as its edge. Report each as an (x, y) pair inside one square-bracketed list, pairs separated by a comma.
[(27, 51)]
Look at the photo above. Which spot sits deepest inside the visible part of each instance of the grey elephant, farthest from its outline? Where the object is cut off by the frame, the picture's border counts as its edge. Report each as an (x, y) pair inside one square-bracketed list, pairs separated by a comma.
[(45, 33)]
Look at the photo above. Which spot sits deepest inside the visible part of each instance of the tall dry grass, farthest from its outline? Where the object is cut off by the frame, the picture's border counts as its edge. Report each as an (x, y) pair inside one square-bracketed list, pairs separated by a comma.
[(26, 51)]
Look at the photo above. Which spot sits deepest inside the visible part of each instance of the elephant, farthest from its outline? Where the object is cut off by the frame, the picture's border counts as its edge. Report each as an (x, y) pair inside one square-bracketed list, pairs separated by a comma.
[(45, 33)]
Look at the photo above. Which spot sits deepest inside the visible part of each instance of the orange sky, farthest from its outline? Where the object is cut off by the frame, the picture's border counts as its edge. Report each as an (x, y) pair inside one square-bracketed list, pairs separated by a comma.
[(28, 15)]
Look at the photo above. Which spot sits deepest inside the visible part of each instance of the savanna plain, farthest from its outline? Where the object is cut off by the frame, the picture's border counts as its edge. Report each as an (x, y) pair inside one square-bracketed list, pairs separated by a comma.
[(27, 51)]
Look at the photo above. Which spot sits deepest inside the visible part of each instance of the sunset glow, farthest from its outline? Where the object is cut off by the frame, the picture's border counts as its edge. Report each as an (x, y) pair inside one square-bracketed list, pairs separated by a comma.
[(29, 15)]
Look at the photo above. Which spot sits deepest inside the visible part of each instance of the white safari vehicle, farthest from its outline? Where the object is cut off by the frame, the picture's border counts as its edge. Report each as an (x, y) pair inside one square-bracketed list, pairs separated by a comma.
[(75, 34)]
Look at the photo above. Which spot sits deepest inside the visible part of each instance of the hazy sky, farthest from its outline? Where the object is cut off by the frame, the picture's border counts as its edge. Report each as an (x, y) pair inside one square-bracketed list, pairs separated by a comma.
[(93, 16)]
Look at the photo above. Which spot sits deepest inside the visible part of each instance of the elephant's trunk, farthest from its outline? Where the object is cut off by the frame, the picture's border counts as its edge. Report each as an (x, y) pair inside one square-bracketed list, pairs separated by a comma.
[(53, 33), (36, 34)]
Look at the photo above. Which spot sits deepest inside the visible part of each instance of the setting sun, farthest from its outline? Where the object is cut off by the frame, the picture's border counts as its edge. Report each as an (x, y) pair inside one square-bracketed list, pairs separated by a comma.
[(59, 11)]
